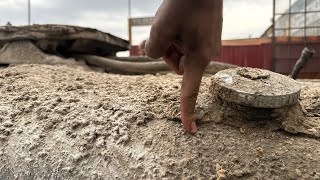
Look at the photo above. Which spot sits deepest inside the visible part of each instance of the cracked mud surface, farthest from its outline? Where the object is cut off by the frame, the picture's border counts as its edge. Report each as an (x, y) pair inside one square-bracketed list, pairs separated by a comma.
[(62, 123)]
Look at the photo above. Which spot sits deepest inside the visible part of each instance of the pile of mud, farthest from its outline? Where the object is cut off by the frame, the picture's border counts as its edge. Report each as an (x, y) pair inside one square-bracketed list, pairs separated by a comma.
[(58, 122)]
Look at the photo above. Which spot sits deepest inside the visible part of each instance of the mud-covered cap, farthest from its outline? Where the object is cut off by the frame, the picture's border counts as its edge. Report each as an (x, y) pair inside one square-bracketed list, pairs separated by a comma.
[(256, 88)]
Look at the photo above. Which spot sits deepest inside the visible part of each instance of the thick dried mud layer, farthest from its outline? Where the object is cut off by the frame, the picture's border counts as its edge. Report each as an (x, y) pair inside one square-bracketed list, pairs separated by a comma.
[(58, 122)]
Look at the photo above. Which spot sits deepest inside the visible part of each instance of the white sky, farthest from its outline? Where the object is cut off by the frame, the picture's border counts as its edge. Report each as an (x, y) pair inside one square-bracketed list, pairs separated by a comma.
[(242, 18)]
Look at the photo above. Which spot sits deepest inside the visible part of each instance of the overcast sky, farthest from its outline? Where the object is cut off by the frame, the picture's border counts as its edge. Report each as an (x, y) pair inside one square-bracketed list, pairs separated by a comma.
[(242, 18)]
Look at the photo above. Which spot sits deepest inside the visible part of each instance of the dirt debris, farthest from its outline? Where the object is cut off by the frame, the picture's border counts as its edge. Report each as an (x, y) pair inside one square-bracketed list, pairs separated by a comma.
[(221, 173), (57, 122)]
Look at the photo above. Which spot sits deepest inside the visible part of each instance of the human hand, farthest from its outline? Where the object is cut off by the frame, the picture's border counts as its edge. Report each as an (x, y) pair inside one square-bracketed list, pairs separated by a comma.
[(187, 34)]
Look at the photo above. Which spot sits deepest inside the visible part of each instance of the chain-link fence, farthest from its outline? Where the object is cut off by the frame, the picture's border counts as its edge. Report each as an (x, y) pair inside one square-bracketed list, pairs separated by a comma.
[(296, 18), (296, 25)]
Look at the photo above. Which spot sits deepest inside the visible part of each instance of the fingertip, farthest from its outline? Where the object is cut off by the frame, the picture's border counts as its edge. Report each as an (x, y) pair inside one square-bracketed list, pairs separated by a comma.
[(194, 128), (189, 125)]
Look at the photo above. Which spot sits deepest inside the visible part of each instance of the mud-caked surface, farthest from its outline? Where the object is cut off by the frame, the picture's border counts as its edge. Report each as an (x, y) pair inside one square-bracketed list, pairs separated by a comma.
[(62, 123)]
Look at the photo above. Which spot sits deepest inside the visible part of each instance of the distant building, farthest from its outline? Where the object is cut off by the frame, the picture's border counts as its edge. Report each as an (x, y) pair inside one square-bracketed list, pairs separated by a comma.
[(302, 17)]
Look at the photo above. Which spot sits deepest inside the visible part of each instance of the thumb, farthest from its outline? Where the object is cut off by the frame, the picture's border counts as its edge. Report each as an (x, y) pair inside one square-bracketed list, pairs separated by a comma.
[(159, 41), (163, 31)]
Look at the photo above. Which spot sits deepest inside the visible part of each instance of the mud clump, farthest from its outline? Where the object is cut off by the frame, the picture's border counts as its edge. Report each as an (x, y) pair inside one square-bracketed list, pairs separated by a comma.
[(57, 122)]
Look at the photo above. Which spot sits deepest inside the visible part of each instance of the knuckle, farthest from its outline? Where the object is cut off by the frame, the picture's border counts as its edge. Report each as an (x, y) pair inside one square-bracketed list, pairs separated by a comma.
[(191, 97), (152, 51)]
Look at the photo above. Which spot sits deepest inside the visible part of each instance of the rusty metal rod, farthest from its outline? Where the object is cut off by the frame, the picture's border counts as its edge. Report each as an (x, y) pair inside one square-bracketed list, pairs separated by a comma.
[(302, 61)]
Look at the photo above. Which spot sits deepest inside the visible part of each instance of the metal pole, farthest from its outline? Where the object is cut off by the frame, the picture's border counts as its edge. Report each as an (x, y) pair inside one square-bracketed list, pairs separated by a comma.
[(29, 12), (305, 22), (273, 60), (129, 8), (289, 21), (130, 31), (129, 23)]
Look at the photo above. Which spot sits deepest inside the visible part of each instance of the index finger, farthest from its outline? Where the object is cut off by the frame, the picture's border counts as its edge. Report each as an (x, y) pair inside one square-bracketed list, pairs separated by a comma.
[(194, 67)]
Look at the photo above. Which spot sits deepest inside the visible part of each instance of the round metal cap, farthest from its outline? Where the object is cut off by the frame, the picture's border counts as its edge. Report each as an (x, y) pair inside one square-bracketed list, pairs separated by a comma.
[(256, 88)]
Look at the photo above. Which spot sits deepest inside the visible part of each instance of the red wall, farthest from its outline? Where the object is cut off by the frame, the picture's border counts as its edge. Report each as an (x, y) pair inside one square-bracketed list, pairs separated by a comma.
[(258, 53), (134, 51), (258, 56), (288, 54)]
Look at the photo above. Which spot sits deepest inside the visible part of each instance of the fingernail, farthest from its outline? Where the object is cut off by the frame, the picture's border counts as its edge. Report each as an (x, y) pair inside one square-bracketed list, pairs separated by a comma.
[(194, 128)]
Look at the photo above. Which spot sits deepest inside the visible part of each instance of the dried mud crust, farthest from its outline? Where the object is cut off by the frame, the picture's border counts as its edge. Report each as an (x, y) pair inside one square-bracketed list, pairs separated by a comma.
[(257, 88), (62, 123)]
